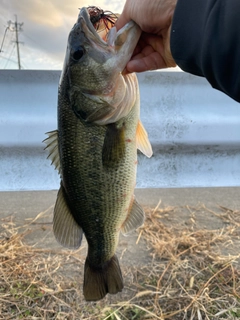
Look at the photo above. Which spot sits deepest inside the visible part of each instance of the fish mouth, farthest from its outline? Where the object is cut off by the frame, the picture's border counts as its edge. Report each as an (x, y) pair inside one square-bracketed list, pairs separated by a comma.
[(123, 40), (86, 23)]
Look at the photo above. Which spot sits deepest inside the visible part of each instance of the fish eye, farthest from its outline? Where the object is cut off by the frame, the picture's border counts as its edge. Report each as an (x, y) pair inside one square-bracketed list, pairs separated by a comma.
[(77, 55)]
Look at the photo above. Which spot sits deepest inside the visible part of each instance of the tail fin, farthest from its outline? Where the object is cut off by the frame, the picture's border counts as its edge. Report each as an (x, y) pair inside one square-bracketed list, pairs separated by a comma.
[(100, 281)]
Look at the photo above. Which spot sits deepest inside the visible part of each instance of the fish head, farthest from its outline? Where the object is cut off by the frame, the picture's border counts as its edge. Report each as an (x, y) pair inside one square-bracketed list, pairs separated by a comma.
[(93, 64)]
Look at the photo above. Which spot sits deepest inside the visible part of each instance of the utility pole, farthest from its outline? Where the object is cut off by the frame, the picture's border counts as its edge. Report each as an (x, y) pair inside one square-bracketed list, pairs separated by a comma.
[(17, 27)]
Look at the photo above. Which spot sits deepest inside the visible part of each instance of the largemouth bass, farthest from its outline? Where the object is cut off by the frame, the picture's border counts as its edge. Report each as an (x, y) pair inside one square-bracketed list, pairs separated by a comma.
[(95, 150)]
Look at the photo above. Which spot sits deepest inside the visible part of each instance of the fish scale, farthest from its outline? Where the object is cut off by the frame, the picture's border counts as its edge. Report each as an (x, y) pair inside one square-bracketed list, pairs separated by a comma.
[(99, 187), (95, 150)]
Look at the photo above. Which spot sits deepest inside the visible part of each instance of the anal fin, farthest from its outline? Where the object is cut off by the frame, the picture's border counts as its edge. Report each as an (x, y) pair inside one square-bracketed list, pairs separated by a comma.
[(135, 218), (66, 230)]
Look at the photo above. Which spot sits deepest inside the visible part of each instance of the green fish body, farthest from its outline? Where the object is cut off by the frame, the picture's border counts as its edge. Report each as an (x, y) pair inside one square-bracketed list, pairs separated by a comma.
[(95, 151)]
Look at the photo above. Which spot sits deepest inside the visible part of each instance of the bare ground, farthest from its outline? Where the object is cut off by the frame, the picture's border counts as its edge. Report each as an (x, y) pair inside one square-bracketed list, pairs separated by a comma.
[(184, 263)]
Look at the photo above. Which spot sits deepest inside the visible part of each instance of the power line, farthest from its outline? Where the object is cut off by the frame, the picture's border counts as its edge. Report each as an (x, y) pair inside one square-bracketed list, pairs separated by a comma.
[(16, 27), (7, 48), (7, 28), (9, 58)]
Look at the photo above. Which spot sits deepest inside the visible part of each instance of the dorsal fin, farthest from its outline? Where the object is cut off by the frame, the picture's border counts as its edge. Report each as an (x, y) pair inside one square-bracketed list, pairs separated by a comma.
[(143, 143), (52, 148)]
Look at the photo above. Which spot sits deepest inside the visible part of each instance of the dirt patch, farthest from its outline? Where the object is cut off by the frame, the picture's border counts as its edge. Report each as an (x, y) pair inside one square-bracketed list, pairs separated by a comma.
[(182, 264)]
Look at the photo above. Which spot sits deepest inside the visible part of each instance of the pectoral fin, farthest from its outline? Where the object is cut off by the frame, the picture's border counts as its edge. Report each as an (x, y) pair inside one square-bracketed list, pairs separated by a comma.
[(114, 145), (52, 148), (143, 144), (66, 230), (134, 219)]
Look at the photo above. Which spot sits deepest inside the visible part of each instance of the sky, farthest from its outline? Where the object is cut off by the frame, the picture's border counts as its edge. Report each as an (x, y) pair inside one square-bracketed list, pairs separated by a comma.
[(45, 29)]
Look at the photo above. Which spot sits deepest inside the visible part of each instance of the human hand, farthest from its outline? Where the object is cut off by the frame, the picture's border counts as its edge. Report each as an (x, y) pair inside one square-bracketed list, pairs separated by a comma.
[(154, 18)]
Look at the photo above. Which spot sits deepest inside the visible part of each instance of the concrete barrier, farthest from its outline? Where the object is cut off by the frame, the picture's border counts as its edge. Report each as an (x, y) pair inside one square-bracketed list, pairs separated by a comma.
[(194, 131)]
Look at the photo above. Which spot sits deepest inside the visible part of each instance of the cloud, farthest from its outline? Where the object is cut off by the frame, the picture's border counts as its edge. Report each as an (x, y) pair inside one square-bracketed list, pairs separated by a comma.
[(45, 30)]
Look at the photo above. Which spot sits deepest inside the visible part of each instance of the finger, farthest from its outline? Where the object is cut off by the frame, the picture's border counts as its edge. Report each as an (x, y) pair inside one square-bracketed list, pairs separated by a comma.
[(142, 63), (124, 17), (121, 21)]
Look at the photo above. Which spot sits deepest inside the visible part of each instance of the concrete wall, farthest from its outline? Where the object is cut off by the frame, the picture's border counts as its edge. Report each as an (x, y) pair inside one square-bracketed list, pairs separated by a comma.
[(194, 131)]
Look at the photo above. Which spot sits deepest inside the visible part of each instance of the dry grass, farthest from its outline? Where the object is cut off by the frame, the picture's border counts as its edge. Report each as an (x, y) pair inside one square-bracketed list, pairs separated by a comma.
[(191, 275)]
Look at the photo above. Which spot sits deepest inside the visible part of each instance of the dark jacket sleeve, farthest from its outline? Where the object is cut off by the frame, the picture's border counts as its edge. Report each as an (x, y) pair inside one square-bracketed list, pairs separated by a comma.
[(205, 41)]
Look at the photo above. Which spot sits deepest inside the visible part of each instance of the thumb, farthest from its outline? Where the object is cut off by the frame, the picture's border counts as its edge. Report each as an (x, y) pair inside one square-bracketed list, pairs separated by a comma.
[(122, 20)]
